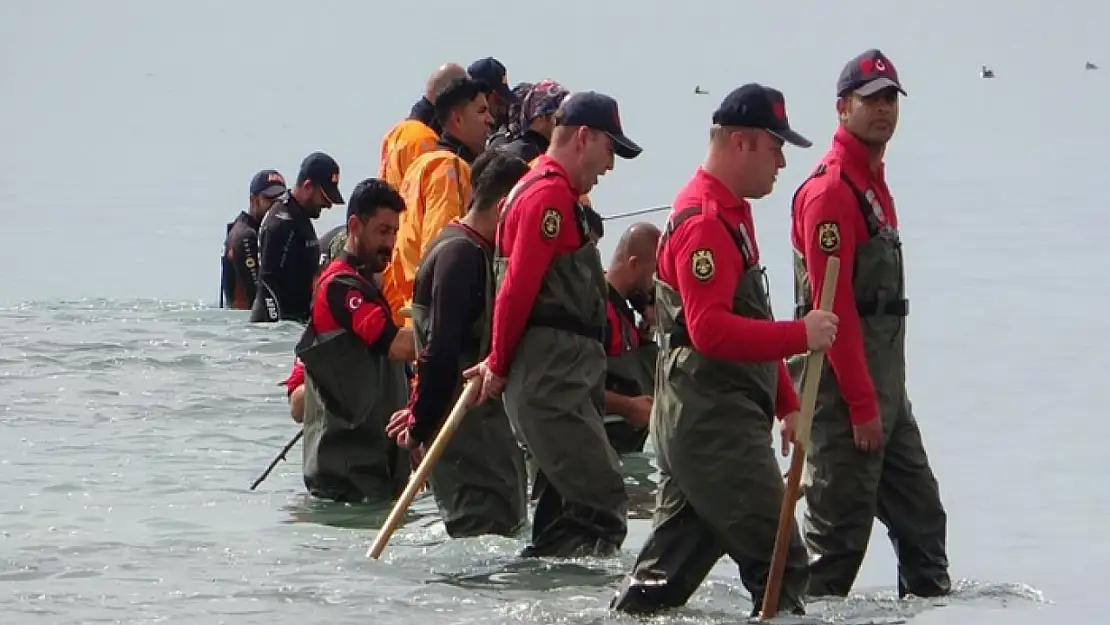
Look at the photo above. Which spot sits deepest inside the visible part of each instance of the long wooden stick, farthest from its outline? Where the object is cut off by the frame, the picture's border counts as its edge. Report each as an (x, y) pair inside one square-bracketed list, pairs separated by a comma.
[(802, 428), (417, 479)]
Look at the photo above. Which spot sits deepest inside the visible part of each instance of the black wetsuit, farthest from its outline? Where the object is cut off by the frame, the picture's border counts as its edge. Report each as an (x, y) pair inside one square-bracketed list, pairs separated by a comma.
[(239, 278), (527, 146), (326, 253), (289, 255)]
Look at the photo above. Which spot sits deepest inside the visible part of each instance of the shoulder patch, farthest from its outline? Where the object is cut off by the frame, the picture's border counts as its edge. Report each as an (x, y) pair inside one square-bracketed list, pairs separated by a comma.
[(701, 263), (354, 300), (552, 220), (828, 236)]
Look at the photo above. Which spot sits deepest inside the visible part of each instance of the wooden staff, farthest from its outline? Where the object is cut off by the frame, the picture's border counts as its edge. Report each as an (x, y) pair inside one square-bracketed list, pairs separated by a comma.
[(417, 479), (802, 428)]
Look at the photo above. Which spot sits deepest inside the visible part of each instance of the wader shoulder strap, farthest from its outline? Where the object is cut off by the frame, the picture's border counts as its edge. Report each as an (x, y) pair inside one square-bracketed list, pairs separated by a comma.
[(895, 308), (680, 336), (623, 326), (513, 195), (869, 217), (355, 281)]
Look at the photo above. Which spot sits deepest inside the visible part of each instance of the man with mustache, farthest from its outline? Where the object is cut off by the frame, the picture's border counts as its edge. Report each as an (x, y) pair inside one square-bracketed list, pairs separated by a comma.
[(354, 361), (289, 252), (437, 184), (867, 459)]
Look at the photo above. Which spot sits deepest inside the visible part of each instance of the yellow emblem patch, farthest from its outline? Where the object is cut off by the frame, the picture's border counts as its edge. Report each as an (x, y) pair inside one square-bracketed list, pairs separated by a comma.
[(828, 236), (701, 263), (249, 262), (552, 219)]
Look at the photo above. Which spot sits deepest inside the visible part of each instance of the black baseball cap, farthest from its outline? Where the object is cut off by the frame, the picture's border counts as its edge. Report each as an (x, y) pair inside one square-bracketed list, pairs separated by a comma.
[(322, 171), (867, 74), (268, 183), (492, 72), (755, 106), (600, 112)]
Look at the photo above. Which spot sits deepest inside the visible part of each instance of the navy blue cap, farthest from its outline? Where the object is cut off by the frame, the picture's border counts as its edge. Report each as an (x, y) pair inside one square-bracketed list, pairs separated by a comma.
[(268, 183), (868, 74), (600, 112), (322, 171), (492, 72), (755, 106)]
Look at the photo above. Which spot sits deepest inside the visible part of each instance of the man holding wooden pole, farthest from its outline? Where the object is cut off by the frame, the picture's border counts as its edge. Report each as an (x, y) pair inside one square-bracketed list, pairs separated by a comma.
[(867, 458), (721, 377)]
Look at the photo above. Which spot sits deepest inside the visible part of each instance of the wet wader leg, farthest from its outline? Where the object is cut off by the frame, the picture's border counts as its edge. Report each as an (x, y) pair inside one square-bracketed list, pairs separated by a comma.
[(743, 510), (674, 561), (554, 407), (841, 503), (909, 505)]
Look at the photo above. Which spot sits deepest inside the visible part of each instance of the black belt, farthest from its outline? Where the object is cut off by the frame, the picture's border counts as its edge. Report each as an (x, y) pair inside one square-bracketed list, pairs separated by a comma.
[(568, 324), (893, 308)]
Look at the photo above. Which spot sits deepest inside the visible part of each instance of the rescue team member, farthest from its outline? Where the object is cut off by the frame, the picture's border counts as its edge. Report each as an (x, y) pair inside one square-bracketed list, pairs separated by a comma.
[(239, 279), (480, 482), (630, 368), (511, 129), (548, 324), (289, 251), (722, 379), (436, 187), (537, 120), (417, 133), (332, 243), (867, 456), (354, 359), (492, 72)]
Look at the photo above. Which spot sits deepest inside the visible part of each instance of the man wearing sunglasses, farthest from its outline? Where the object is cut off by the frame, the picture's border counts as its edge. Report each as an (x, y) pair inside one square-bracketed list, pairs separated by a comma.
[(867, 458)]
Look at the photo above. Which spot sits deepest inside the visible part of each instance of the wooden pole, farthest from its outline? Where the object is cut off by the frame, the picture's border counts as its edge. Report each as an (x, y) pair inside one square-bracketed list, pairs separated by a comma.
[(802, 428), (417, 479)]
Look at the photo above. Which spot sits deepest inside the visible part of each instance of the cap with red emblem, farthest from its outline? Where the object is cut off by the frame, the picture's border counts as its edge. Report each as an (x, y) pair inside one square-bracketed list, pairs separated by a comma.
[(755, 106), (868, 74)]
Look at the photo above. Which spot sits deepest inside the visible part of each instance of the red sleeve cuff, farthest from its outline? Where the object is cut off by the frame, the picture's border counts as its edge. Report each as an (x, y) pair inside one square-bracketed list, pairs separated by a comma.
[(295, 379)]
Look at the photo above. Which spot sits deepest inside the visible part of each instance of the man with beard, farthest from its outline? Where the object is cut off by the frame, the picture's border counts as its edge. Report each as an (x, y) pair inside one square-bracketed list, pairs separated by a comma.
[(289, 251), (353, 357), (630, 368), (492, 72), (867, 459), (721, 376), (417, 133), (479, 483), (511, 128), (436, 188), (548, 326), (239, 280)]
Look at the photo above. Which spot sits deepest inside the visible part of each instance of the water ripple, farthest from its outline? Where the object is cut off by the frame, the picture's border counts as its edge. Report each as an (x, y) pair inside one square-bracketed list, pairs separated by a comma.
[(132, 430)]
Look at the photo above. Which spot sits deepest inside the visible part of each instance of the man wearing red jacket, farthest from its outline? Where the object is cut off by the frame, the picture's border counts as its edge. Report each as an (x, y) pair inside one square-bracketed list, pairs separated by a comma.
[(867, 459), (721, 376), (548, 327), (354, 361)]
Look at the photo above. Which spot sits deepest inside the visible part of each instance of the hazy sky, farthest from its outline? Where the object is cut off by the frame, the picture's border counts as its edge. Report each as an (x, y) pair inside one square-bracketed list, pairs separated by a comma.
[(130, 129)]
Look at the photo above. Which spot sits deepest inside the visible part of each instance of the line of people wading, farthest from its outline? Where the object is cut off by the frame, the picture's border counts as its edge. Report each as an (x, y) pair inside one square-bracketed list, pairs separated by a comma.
[(473, 256)]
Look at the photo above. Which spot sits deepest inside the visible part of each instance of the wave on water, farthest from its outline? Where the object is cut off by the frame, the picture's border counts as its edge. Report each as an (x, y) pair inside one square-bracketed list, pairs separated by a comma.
[(132, 431)]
